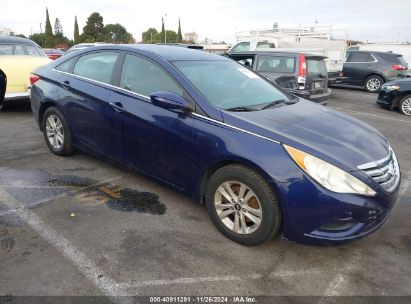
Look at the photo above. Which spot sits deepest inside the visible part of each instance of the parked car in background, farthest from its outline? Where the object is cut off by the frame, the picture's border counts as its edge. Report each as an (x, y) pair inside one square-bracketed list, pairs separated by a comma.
[(301, 74), (84, 46), (3, 82), (18, 58), (319, 40), (371, 70), (396, 94), (53, 54), (259, 158)]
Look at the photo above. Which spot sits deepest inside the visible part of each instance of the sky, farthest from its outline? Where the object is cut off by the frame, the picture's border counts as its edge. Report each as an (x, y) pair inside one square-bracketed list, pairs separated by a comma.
[(218, 20)]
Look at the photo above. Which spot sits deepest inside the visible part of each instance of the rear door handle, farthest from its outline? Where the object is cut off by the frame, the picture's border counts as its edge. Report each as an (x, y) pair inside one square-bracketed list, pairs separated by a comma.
[(65, 84), (117, 106)]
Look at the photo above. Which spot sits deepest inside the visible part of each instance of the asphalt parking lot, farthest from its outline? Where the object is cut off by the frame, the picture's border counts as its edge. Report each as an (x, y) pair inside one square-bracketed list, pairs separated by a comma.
[(80, 226)]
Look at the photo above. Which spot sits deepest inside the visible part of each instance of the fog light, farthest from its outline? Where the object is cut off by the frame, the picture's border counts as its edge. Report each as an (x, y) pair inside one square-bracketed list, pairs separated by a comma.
[(339, 225)]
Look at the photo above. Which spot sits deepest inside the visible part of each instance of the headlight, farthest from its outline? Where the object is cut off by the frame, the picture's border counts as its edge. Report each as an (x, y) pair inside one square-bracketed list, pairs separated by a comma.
[(390, 87), (327, 175)]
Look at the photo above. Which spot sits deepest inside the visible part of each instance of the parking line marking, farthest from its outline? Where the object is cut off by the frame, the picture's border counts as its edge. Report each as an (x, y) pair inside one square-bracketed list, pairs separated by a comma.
[(374, 115), (85, 265), (197, 280)]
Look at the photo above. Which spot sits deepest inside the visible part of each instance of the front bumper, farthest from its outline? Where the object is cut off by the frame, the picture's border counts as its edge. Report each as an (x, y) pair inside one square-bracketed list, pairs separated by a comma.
[(316, 216), (388, 99)]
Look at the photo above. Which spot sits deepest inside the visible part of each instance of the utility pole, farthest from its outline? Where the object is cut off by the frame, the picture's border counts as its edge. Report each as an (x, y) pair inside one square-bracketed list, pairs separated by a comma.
[(165, 32)]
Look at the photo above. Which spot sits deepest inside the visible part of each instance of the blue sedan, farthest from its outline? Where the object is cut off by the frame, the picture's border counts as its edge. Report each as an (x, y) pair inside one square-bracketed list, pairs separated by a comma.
[(260, 159)]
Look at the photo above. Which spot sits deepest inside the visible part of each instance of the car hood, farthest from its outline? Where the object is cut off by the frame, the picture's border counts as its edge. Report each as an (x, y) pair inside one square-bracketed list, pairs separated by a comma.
[(318, 130), (400, 81)]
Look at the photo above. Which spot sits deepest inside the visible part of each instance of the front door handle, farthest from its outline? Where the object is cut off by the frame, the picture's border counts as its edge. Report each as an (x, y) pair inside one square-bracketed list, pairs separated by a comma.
[(117, 106)]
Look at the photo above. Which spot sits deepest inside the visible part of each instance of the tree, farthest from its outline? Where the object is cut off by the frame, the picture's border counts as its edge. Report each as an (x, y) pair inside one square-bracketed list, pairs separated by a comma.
[(58, 29), (93, 31), (191, 37), (171, 36), (161, 34), (116, 33), (48, 38), (59, 37), (150, 36), (76, 32), (179, 36), (38, 38)]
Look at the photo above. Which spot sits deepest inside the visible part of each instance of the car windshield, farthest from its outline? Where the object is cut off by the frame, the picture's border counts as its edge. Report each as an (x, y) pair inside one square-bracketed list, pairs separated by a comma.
[(230, 86)]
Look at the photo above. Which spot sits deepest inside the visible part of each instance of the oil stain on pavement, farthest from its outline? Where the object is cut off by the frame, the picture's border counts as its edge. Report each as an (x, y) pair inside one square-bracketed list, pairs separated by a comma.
[(36, 188)]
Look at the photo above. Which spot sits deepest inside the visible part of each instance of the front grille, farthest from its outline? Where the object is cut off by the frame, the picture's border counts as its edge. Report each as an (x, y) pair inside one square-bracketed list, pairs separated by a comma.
[(385, 172)]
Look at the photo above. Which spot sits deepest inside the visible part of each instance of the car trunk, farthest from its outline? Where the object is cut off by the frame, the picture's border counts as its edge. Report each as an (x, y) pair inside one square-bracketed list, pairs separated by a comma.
[(317, 75), (18, 69)]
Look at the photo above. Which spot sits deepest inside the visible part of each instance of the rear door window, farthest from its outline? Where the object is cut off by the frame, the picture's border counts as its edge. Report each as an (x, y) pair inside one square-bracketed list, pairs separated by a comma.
[(144, 77), (276, 64), (96, 66), (360, 57)]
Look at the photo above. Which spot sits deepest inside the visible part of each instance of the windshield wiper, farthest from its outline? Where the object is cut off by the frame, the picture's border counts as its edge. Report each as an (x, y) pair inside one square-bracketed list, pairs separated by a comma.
[(272, 104), (241, 109)]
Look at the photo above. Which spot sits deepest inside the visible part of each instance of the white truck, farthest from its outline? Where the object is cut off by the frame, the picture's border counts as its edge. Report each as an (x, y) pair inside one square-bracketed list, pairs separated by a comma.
[(316, 40)]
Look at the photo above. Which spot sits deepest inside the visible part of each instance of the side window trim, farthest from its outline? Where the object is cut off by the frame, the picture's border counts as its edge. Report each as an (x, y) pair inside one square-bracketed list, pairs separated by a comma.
[(117, 75)]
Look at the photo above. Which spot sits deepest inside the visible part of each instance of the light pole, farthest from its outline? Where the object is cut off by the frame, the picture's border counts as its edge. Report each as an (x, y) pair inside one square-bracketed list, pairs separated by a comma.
[(165, 32)]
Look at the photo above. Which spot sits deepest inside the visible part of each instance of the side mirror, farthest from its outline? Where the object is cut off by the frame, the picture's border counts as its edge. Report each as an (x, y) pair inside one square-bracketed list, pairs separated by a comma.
[(169, 100)]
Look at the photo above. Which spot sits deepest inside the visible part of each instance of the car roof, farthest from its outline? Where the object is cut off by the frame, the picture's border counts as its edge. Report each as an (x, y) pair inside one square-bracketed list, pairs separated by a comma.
[(275, 52), (17, 40), (374, 52), (167, 52)]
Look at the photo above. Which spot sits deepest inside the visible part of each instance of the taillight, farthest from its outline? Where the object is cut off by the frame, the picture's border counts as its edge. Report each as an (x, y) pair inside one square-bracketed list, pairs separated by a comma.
[(34, 79), (303, 66), (399, 67)]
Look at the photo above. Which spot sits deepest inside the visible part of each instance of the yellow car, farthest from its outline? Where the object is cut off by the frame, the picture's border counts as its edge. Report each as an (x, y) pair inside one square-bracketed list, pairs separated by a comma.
[(18, 58)]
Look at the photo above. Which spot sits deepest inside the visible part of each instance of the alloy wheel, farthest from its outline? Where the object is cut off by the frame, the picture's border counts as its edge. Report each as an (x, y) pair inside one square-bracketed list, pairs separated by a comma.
[(238, 207), (406, 106), (55, 132), (373, 84)]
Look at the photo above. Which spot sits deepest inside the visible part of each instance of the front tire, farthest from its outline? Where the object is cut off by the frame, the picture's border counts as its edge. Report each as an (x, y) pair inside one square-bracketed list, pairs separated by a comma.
[(373, 84), (242, 205), (56, 132), (405, 105)]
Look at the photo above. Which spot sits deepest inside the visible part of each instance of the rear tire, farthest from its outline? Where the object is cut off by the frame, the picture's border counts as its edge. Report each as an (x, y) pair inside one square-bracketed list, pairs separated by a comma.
[(373, 84), (56, 132), (405, 105), (248, 212)]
